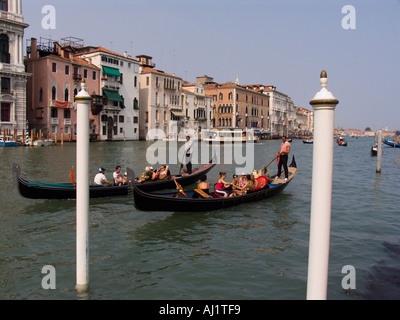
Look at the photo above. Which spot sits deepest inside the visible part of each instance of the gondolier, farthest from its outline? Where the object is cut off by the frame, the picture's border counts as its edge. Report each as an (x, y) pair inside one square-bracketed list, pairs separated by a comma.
[(283, 157), (187, 153)]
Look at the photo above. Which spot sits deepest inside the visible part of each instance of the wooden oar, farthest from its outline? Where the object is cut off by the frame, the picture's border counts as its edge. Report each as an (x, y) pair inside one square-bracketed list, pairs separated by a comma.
[(396, 159), (265, 168)]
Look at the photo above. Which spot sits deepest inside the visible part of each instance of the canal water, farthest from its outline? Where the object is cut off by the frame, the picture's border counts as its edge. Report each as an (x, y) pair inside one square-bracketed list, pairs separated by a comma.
[(253, 251)]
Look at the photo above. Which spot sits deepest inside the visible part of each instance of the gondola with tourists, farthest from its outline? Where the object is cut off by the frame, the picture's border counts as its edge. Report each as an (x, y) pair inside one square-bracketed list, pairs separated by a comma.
[(392, 143), (192, 200), (42, 190), (341, 141)]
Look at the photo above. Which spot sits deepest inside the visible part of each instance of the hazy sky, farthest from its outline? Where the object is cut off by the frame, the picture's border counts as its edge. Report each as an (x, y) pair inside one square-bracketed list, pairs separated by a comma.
[(285, 43)]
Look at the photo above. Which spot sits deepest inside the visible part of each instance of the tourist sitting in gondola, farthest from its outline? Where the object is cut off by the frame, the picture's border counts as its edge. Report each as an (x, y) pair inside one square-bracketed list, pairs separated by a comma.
[(164, 173), (147, 175), (203, 188), (235, 186), (100, 178), (222, 187)]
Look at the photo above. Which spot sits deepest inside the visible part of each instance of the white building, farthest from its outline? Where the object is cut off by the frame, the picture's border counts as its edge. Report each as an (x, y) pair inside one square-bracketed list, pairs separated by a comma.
[(160, 101), (282, 113), (197, 108), (119, 84), (12, 69)]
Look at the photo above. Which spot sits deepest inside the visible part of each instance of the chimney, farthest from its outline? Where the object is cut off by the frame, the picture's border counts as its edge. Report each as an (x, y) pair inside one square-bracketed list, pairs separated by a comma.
[(34, 53)]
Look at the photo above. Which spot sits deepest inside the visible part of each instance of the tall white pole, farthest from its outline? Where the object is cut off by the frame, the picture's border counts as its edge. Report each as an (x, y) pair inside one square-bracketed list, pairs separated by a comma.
[(379, 153), (324, 104), (83, 100)]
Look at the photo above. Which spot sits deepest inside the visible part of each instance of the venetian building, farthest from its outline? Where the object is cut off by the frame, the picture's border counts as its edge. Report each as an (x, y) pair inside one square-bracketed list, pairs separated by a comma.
[(12, 69), (161, 108)]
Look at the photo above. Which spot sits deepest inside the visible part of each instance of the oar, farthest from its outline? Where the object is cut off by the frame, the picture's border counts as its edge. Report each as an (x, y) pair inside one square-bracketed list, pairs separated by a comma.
[(265, 168), (396, 159)]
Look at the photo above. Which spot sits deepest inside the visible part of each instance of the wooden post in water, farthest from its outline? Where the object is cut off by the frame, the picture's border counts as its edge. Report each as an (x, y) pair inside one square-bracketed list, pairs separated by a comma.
[(324, 104), (379, 153), (83, 100)]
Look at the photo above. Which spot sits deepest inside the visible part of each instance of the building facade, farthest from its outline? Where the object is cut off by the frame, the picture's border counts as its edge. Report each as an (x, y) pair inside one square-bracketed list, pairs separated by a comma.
[(118, 105), (12, 69), (160, 101), (237, 106), (197, 108), (55, 81), (304, 123)]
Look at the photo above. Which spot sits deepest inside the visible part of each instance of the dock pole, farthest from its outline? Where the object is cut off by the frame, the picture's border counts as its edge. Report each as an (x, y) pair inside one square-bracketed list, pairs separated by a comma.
[(379, 153), (324, 104), (83, 100)]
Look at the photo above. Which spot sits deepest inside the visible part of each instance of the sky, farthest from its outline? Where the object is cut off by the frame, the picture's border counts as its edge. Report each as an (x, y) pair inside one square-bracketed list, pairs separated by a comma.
[(284, 43)]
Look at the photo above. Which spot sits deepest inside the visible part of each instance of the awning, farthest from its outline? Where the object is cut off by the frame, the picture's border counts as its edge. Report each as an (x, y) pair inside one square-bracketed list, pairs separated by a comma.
[(111, 71), (113, 95), (178, 113)]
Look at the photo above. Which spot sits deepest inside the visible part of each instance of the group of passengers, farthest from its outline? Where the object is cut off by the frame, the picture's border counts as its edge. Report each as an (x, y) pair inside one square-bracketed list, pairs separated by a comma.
[(238, 187), (119, 178), (149, 174)]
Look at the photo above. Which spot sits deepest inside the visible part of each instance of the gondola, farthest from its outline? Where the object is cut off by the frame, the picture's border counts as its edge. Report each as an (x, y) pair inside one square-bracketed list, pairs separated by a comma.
[(374, 150), (308, 141), (187, 200), (391, 144), (341, 142), (33, 190)]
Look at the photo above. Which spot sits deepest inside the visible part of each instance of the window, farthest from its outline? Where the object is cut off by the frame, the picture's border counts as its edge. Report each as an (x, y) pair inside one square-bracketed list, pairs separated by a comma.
[(85, 73), (54, 112), (147, 117), (4, 5), (135, 120), (41, 95), (67, 129), (66, 95), (135, 82), (67, 114), (94, 75), (5, 85), (54, 67), (121, 119), (53, 93), (147, 81), (66, 69), (5, 112), (4, 49)]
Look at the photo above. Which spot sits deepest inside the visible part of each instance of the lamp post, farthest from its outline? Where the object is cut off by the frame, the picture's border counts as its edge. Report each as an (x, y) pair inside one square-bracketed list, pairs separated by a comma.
[(324, 104), (83, 100)]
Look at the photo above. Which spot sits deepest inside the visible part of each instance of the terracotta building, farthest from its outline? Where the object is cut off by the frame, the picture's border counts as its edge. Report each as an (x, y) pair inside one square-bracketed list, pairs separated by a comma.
[(236, 106), (55, 81)]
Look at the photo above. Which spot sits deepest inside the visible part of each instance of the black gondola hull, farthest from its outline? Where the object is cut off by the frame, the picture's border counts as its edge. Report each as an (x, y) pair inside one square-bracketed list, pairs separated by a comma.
[(68, 191)]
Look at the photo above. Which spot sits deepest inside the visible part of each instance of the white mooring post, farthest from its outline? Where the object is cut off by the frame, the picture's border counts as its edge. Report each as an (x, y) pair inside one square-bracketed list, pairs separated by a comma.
[(379, 152), (83, 100), (324, 104)]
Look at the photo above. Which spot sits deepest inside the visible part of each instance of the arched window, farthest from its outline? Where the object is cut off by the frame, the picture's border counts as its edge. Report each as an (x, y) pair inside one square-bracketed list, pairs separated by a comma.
[(230, 96), (135, 81), (75, 92), (221, 96), (53, 93), (66, 95), (4, 49)]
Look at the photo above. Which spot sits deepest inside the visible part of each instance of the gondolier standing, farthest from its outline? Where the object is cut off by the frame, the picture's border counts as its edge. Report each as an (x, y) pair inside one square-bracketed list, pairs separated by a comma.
[(187, 153), (283, 157)]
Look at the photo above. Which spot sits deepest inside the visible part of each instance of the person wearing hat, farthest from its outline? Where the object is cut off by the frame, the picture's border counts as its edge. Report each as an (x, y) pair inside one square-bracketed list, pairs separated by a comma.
[(100, 178), (187, 152), (147, 174)]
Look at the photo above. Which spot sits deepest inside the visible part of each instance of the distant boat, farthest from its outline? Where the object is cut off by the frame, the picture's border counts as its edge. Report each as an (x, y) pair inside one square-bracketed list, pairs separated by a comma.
[(391, 144), (374, 150), (10, 142), (228, 135), (308, 141), (341, 141)]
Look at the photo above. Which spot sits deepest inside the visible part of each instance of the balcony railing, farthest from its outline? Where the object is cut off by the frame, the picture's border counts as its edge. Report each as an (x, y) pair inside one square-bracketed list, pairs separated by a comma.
[(54, 121), (67, 122)]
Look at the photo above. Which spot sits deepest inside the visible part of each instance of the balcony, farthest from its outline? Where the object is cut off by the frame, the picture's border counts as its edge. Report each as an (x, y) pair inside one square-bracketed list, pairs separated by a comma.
[(54, 121), (77, 77), (67, 122)]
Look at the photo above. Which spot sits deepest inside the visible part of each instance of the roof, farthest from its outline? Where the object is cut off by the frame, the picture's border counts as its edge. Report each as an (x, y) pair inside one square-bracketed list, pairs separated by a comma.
[(88, 50), (152, 70)]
